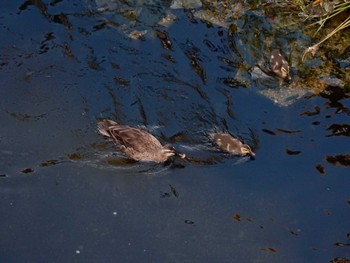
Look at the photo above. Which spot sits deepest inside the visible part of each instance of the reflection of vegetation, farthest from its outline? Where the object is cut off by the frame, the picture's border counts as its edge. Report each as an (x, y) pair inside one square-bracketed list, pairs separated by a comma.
[(27, 171), (341, 159), (49, 163), (25, 117)]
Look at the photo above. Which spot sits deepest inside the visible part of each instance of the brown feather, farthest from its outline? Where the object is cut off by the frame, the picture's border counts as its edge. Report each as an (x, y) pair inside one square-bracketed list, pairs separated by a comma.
[(135, 143)]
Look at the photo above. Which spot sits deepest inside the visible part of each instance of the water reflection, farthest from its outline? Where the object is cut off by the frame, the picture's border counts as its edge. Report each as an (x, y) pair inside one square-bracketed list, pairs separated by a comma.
[(64, 65)]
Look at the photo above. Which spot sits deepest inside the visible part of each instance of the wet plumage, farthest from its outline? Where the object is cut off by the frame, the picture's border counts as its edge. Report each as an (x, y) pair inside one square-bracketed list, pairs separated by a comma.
[(227, 143), (137, 144)]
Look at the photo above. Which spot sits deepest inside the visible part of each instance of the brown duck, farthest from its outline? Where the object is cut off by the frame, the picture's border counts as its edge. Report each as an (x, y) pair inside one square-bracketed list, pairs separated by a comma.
[(227, 143), (137, 144), (279, 65)]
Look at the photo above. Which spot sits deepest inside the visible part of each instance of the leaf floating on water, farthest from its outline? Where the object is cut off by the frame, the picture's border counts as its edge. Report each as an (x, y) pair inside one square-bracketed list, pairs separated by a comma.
[(294, 232), (340, 244), (122, 82), (320, 168), (196, 66), (339, 130), (63, 20), (269, 132), (38, 4), (312, 113), (163, 195), (189, 222), (231, 82), (229, 103), (201, 93), (49, 163), (68, 51), (95, 64), (291, 152), (269, 249), (289, 131), (115, 65), (164, 38), (168, 57), (230, 63), (341, 159), (27, 171), (26, 117), (237, 217), (173, 191), (138, 34), (334, 94), (105, 24)]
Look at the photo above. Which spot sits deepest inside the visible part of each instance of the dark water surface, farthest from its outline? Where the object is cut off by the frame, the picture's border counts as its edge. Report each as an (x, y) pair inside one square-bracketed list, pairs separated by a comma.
[(65, 198)]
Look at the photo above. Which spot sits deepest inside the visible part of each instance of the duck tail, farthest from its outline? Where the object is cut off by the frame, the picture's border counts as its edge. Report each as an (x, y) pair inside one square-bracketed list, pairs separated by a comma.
[(103, 127)]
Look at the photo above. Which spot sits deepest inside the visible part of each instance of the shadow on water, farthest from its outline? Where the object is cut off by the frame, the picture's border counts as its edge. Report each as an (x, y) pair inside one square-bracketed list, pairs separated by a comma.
[(179, 72)]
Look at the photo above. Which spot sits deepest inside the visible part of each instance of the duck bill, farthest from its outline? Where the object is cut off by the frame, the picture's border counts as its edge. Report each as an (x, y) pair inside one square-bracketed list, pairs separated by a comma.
[(181, 155)]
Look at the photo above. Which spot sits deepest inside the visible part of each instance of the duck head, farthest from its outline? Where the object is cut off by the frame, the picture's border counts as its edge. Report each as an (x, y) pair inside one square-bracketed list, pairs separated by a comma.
[(246, 150), (169, 150)]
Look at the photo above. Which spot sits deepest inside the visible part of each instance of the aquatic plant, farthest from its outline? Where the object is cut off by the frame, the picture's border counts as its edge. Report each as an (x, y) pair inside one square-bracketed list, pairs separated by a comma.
[(330, 11)]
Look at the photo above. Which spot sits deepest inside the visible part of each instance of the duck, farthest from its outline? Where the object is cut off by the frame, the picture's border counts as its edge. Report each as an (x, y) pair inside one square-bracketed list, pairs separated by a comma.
[(227, 143), (279, 65), (137, 144)]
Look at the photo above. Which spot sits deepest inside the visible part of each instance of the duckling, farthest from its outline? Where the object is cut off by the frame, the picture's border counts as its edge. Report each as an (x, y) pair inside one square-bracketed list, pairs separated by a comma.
[(137, 144), (279, 65), (227, 143)]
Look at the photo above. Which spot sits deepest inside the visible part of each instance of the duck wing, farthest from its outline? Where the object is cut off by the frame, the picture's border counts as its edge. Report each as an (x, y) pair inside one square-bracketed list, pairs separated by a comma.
[(134, 138), (129, 137)]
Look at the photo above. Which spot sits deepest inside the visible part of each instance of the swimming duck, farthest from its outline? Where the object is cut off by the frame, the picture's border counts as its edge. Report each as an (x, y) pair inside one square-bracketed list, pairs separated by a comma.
[(279, 65), (137, 144), (227, 143)]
